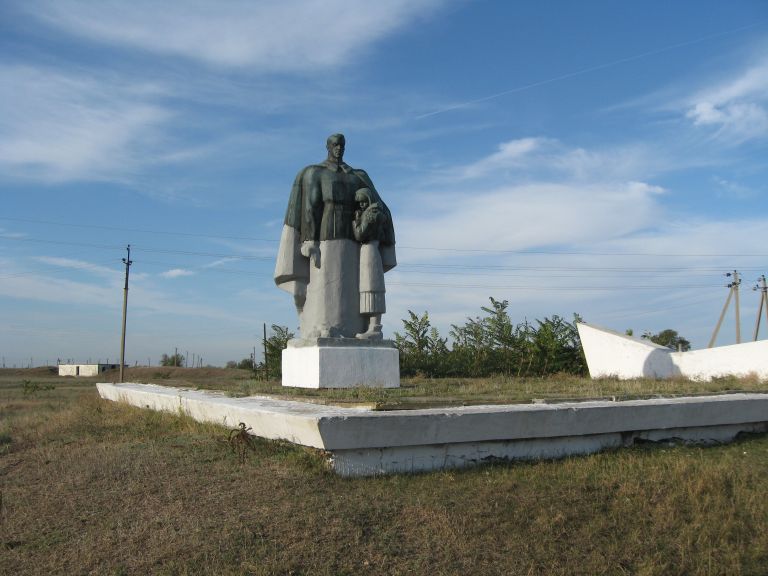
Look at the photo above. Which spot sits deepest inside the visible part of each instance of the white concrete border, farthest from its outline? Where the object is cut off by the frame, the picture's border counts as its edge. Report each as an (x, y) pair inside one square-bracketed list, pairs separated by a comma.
[(364, 442)]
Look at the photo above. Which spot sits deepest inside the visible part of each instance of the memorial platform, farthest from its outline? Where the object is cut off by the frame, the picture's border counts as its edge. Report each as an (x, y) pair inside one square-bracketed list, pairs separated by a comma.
[(362, 442)]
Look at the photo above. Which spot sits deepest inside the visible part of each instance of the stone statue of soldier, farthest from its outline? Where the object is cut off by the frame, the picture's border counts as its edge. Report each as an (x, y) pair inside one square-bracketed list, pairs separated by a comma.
[(322, 243)]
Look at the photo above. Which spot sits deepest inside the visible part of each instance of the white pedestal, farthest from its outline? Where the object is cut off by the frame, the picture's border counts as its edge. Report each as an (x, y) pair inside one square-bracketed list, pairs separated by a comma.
[(340, 363)]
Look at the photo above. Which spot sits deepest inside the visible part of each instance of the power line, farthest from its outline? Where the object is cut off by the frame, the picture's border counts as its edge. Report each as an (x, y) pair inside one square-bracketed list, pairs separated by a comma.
[(496, 272), (534, 287), (454, 250), (460, 269), (81, 244), (203, 269), (574, 268), (142, 230), (582, 253), (538, 288), (140, 248), (586, 273), (632, 313)]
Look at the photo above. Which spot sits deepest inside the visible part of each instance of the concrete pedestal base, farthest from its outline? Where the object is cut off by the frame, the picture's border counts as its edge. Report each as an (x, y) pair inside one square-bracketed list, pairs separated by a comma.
[(341, 363)]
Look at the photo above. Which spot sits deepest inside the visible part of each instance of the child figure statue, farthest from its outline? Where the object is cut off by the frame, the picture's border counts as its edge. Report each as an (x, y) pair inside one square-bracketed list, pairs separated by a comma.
[(368, 228)]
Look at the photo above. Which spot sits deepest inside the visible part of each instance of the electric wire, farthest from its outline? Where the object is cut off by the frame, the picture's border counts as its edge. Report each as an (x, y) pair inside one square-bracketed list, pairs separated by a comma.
[(613, 273), (142, 230), (460, 270), (400, 246)]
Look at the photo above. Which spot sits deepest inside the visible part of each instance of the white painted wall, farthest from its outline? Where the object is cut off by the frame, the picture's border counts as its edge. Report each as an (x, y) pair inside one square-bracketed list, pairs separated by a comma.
[(610, 353), (84, 369)]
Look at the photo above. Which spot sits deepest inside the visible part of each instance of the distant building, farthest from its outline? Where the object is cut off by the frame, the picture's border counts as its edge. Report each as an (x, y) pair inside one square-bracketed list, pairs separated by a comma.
[(85, 369)]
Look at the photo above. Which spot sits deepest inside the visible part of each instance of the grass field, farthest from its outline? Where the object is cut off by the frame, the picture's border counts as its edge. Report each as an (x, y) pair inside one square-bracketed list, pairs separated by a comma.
[(93, 487)]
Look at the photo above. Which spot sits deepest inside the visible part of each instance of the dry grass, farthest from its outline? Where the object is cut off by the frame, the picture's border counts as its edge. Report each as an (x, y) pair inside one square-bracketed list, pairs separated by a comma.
[(92, 487)]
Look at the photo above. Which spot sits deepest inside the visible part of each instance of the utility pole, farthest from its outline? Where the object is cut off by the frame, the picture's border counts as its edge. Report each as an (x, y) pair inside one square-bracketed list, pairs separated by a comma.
[(127, 261), (734, 290), (266, 362), (736, 284), (763, 287)]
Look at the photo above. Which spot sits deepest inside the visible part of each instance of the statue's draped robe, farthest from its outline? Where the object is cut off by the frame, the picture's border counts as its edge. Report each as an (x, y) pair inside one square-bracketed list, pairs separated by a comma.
[(321, 209)]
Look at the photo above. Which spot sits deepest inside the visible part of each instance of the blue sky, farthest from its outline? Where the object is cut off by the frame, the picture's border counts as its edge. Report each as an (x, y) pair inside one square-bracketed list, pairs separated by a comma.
[(599, 157)]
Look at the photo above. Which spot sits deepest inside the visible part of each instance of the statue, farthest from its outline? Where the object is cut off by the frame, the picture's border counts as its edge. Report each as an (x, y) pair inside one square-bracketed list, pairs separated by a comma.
[(337, 242), (369, 228)]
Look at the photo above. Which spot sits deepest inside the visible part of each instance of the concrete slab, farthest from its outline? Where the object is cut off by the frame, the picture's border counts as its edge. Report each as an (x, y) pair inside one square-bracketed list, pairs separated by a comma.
[(364, 442), (340, 363)]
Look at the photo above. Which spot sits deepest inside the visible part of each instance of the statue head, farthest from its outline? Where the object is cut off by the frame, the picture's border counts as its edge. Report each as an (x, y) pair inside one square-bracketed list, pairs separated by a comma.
[(363, 198), (335, 146)]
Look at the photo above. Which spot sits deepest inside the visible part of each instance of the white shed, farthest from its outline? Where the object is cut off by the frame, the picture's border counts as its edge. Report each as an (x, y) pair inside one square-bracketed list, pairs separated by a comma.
[(85, 369)]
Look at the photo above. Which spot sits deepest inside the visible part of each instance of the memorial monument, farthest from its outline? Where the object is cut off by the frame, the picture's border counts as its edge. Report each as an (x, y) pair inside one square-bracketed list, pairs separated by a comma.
[(337, 242)]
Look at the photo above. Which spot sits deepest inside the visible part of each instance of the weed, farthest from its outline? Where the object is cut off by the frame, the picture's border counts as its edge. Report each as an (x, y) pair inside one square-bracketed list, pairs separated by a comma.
[(5, 443), (240, 441), (32, 388)]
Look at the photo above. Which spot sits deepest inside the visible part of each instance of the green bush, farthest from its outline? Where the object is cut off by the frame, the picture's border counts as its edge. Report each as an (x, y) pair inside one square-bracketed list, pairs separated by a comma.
[(491, 344)]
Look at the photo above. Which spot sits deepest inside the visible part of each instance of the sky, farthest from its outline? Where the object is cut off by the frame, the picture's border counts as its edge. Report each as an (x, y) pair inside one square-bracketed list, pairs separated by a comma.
[(598, 157)]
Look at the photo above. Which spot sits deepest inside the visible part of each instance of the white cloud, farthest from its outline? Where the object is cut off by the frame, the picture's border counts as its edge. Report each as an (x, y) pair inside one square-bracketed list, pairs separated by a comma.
[(56, 127), (79, 265), (278, 36), (10, 234), (537, 214), (736, 108), (220, 262), (617, 163), (737, 122), (105, 293), (51, 289), (731, 189), (752, 83), (549, 159), (176, 273), (535, 192), (524, 204), (510, 154)]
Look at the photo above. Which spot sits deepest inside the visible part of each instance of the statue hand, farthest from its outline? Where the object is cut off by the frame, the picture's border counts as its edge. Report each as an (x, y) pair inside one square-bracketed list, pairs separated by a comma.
[(299, 296), (371, 214), (311, 250)]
